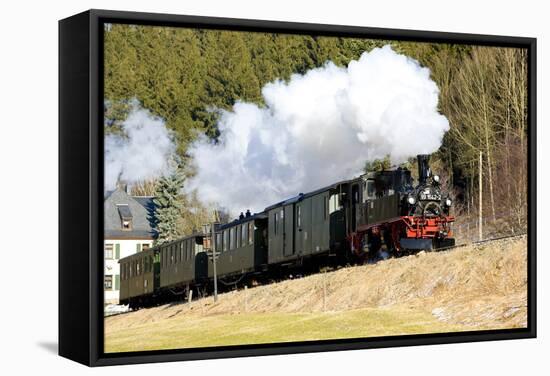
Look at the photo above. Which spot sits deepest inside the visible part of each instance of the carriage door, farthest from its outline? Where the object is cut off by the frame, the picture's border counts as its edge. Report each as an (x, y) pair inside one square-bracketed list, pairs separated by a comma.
[(354, 205), (287, 219)]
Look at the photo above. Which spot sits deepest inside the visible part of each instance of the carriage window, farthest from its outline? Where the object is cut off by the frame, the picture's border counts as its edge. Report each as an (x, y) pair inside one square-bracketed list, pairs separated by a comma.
[(219, 242), (244, 234), (137, 268), (334, 203), (299, 215), (185, 247), (250, 232), (275, 221), (325, 207), (371, 189), (232, 238), (225, 240), (238, 236)]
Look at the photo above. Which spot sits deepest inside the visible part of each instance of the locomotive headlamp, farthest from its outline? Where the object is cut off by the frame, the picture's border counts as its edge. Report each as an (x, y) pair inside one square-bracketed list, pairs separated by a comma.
[(448, 202), (411, 200), (436, 178)]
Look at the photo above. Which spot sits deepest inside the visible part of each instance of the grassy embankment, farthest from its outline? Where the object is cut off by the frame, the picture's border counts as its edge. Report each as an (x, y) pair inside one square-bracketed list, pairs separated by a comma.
[(470, 288)]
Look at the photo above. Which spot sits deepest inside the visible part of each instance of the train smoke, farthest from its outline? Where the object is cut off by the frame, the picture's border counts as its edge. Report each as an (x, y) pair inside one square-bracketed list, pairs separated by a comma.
[(318, 128), (142, 152)]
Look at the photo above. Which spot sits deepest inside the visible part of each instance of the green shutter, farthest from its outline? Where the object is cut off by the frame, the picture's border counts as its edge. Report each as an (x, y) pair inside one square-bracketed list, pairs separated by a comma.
[(117, 251), (138, 247), (117, 282)]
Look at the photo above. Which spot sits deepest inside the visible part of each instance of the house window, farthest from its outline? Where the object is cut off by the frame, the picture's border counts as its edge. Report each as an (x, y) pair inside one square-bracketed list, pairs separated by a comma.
[(108, 251), (108, 282), (125, 217), (144, 246)]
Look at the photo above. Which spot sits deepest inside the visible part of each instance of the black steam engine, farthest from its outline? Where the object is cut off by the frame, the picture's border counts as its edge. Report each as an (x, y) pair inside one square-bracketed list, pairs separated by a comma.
[(367, 218)]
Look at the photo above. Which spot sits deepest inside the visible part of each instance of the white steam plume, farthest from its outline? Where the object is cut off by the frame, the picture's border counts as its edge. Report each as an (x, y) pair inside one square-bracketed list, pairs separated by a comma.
[(143, 152), (319, 128)]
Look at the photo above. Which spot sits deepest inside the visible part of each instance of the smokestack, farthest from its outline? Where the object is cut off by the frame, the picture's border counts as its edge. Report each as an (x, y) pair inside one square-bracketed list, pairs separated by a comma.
[(122, 185), (423, 168)]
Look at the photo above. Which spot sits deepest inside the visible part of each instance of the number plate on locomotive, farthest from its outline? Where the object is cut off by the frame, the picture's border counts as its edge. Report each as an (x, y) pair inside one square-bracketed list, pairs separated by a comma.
[(430, 196)]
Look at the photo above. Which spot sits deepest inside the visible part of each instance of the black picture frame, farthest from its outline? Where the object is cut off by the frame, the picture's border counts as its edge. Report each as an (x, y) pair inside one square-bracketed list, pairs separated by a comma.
[(81, 187)]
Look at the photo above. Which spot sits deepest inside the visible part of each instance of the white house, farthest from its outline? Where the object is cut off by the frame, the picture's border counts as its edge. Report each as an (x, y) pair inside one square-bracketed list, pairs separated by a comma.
[(128, 228)]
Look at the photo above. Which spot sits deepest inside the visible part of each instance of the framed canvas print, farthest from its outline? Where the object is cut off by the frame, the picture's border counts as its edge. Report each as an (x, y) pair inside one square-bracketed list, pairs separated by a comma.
[(236, 187)]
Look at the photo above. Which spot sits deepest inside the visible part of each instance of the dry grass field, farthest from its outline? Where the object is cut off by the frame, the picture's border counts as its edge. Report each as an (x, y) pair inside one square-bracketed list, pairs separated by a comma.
[(470, 288)]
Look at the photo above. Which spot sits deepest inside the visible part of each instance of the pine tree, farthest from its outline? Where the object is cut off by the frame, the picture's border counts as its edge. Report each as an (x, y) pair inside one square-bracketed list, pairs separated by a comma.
[(168, 207)]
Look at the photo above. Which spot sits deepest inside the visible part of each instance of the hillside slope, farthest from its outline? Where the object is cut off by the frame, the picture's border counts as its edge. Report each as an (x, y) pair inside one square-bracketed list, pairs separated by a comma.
[(469, 288)]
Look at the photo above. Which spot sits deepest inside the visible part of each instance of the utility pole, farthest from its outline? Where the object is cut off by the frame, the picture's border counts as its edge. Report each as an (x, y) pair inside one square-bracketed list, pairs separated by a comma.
[(209, 231), (214, 257), (480, 195)]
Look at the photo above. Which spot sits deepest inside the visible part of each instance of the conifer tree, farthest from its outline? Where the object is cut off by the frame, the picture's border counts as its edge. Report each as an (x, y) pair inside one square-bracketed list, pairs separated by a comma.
[(168, 207)]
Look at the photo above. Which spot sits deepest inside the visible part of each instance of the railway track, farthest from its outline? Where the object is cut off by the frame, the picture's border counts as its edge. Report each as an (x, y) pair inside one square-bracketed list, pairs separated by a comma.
[(479, 242)]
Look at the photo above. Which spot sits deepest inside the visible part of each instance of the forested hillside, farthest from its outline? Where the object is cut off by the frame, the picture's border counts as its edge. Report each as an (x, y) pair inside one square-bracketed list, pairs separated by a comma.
[(184, 75)]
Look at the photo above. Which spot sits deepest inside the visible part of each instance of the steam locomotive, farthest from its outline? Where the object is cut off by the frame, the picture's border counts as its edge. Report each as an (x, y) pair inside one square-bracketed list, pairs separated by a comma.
[(367, 218)]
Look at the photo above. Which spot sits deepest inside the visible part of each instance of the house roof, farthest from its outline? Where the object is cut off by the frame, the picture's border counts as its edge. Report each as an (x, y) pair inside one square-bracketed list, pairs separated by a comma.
[(124, 211), (120, 205)]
